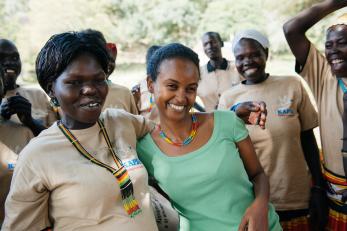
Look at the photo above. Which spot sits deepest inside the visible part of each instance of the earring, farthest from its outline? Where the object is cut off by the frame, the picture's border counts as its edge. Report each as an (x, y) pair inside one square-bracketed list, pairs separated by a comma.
[(55, 104)]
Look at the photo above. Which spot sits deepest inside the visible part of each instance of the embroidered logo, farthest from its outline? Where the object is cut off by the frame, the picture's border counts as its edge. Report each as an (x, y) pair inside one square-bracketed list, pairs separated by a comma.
[(10, 166), (285, 106), (132, 164)]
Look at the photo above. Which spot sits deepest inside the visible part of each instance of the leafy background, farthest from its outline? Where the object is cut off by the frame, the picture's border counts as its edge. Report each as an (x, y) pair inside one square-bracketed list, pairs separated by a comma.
[(136, 24)]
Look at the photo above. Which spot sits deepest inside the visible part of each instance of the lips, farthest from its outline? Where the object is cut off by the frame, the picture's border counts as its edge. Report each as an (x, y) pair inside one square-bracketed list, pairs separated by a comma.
[(176, 107), (250, 70), (94, 104), (337, 61)]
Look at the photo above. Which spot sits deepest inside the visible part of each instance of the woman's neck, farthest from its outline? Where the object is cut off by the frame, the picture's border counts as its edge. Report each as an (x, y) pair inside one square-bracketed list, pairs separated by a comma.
[(177, 130), (257, 80), (75, 125)]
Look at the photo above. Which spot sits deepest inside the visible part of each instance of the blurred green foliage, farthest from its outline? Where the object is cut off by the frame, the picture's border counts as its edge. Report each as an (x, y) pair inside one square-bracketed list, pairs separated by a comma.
[(136, 24)]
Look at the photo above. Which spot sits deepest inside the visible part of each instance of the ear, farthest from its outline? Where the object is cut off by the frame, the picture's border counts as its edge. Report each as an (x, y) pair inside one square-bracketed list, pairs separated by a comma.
[(150, 84), (50, 89)]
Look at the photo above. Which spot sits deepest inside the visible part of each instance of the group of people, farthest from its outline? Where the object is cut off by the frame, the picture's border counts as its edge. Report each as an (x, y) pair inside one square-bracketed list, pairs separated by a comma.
[(71, 161)]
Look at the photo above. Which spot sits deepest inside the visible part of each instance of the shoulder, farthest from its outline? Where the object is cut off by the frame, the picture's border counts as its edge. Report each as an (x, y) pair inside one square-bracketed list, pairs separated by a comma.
[(119, 89), (43, 145), (293, 81), (31, 90), (120, 117), (116, 114), (222, 115), (203, 71)]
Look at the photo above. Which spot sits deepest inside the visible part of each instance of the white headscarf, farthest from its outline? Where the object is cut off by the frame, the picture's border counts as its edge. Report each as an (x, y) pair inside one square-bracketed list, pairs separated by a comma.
[(251, 34), (342, 19)]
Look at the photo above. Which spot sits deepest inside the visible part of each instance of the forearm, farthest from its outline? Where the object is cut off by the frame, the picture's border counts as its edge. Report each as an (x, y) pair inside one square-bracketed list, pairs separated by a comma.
[(261, 188), (311, 153), (309, 17)]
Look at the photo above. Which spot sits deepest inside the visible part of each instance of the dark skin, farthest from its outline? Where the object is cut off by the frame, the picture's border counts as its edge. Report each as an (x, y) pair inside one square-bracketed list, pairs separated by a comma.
[(176, 85), (81, 91), (250, 61), (213, 49), (295, 33), (2, 86), (11, 63), (335, 48)]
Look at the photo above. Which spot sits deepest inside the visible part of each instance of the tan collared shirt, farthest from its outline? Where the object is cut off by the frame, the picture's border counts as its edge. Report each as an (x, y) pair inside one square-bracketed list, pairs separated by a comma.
[(54, 185), (278, 146), (13, 138), (214, 83), (329, 98), (120, 97)]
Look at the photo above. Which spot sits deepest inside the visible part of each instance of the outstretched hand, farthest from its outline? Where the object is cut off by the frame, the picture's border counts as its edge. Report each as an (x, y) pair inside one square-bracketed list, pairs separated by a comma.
[(252, 112)]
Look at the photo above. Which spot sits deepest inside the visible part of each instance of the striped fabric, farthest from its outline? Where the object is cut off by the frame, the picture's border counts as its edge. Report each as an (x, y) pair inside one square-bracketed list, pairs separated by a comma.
[(296, 224), (337, 209)]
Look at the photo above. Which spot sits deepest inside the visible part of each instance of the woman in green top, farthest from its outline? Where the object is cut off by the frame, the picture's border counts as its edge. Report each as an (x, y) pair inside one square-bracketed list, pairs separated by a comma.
[(205, 162)]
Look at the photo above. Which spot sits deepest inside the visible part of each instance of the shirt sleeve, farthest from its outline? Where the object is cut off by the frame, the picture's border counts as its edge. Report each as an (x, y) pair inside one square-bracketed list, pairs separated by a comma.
[(307, 113), (27, 202), (142, 125), (315, 71), (231, 126), (240, 130)]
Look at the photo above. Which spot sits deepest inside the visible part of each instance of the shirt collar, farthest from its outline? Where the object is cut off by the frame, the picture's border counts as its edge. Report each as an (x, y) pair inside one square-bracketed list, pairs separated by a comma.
[(223, 66)]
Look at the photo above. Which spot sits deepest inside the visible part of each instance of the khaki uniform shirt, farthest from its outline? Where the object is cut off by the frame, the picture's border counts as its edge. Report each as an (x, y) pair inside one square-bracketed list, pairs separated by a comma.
[(40, 106), (329, 98), (213, 84), (54, 185), (120, 97), (13, 138), (278, 147)]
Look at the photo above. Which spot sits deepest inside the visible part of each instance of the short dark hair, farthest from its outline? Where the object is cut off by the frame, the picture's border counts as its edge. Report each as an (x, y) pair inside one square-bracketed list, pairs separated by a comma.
[(61, 49), (172, 50), (150, 51), (215, 34)]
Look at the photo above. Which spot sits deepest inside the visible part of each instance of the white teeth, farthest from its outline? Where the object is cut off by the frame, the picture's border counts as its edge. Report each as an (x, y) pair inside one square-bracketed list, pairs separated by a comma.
[(93, 105), (250, 71), (176, 107), (10, 71), (335, 61)]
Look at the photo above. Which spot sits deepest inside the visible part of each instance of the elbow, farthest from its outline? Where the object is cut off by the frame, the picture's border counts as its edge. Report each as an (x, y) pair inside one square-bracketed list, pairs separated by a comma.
[(288, 29)]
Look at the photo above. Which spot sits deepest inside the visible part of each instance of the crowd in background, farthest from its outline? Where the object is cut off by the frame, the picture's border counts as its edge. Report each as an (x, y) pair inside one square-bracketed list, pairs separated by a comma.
[(83, 153)]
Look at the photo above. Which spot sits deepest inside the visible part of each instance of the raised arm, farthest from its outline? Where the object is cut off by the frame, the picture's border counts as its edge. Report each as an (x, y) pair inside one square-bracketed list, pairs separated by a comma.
[(295, 28)]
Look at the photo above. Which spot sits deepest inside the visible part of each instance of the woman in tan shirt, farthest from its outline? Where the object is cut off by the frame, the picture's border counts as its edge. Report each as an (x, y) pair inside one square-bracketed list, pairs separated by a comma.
[(77, 175)]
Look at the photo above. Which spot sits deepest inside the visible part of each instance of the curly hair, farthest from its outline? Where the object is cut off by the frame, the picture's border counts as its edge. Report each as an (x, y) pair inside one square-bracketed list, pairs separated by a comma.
[(61, 49), (172, 50)]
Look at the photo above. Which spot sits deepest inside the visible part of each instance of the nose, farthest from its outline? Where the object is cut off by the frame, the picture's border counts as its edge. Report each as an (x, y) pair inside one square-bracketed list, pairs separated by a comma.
[(181, 96), (247, 61), (88, 88)]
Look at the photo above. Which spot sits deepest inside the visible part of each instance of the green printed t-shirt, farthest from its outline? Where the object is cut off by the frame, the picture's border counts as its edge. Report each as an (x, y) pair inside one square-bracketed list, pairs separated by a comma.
[(209, 187)]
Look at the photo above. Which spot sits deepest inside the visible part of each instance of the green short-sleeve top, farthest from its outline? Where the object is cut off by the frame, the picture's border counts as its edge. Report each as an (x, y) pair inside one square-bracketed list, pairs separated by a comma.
[(209, 187)]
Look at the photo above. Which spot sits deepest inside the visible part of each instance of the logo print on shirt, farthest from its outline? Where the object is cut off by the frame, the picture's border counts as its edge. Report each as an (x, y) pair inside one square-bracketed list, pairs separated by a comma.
[(284, 106)]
